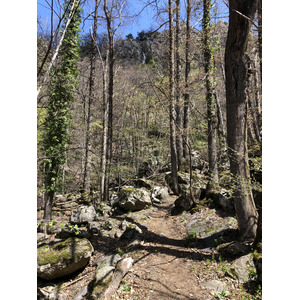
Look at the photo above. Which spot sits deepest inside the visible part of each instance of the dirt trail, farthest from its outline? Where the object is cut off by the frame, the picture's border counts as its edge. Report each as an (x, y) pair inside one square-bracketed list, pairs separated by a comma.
[(164, 265)]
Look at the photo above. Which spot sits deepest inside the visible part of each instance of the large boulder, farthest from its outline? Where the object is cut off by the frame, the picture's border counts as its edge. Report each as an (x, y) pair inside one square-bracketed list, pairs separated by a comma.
[(159, 194), (242, 269), (63, 258), (134, 199), (83, 215), (198, 183)]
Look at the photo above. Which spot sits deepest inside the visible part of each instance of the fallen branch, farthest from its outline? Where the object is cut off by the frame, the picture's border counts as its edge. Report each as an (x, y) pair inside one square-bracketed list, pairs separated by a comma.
[(122, 268)]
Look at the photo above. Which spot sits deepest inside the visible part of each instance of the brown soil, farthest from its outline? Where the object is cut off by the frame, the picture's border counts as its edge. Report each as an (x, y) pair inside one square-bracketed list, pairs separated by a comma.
[(166, 265)]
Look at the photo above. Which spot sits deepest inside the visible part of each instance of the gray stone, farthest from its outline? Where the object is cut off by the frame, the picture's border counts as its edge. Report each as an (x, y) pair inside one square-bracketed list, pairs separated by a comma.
[(159, 194), (242, 268), (103, 274), (41, 236), (216, 285), (134, 199), (83, 214), (94, 227), (82, 294), (63, 258)]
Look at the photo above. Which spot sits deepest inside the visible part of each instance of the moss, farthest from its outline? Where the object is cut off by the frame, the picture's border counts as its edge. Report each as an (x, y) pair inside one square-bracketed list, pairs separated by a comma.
[(62, 251)]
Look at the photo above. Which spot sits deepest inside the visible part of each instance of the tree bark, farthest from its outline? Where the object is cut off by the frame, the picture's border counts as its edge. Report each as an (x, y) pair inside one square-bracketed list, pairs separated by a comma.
[(174, 162), (92, 96), (179, 145), (213, 176), (236, 101), (186, 104)]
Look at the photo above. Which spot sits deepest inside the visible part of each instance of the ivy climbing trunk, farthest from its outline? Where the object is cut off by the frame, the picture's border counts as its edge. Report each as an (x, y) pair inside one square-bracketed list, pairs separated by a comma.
[(236, 103), (62, 91), (212, 120)]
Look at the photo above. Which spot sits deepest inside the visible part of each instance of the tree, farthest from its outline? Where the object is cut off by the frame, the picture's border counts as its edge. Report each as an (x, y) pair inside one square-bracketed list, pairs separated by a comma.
[(240, 15), (211, 103), (186, 104), (62, 90), (179, 110), (113, 19), (69, 10), (174, 159), (92, 96)]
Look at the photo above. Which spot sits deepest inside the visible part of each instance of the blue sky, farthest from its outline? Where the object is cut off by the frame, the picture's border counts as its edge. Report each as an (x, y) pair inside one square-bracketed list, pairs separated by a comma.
[(146, 21)]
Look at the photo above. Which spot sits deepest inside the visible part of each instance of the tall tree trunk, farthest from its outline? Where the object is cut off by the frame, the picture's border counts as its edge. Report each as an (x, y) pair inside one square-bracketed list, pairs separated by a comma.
[(110, 93), (174, 162), (211, 104), (236, 101), (179, 145), (103, 186), (92, 96), (187, 72)]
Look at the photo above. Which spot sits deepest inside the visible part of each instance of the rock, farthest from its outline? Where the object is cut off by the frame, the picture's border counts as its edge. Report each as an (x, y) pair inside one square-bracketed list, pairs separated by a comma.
[(130, 233), (197, 163), (114, 199), (82, 294), (63, 258), (49, 293), (216, 285), (184, 202), (134, 199), (72, 231), (141, 182), (94, 227), (41, 236), (83, 215), (242, 268), (225, 200), (213, 232), (236, 249), (198, 183), (104, 273), (159, 194)]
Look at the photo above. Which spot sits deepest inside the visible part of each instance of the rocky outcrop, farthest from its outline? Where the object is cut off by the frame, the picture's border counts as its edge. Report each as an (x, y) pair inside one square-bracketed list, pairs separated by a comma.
[(63, 258), (134, 199), (83, 215)]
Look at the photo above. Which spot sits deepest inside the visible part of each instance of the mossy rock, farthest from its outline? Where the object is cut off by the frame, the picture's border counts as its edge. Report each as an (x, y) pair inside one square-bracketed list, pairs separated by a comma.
[(63, 258)]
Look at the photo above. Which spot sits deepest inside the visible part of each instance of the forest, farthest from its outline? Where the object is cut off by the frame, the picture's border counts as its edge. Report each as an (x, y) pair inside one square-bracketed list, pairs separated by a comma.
[(149, 150)]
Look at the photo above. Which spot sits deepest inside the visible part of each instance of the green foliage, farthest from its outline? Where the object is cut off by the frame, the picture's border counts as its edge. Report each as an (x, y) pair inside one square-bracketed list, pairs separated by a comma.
[(62, 91), (192, 234)]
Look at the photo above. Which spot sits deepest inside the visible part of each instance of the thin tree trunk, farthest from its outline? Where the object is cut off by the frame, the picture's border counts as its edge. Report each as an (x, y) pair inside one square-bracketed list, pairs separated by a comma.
[(92, 96), (236, 98), (179, 116), (213, 175), (174, 163), (103, 188), (187, 71)]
